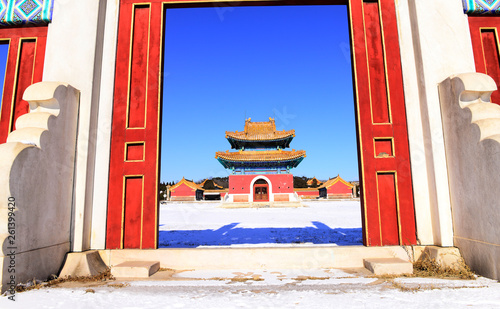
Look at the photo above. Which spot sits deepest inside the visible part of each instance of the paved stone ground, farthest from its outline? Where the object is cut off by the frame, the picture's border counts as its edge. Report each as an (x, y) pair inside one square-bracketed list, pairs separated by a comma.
[(327, 288)]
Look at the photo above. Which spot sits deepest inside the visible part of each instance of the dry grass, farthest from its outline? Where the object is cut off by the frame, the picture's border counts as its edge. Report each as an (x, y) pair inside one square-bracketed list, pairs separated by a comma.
[(36, 284), (119, 285), (303, 278), (430, 268), (245, 279)]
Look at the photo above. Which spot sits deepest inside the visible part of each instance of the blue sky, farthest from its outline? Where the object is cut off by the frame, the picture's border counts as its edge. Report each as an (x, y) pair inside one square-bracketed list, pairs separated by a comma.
[(4, 49), (291, 63)]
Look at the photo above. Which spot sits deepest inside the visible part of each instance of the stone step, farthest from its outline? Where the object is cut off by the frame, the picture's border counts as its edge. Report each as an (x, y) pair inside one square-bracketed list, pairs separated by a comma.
[(388, 266), (135, 269)]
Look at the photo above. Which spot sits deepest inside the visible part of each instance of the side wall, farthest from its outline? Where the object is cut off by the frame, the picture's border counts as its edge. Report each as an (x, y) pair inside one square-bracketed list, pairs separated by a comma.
[(472, 130), (435, 43), (242, 184), (36, 177), (83, 55)]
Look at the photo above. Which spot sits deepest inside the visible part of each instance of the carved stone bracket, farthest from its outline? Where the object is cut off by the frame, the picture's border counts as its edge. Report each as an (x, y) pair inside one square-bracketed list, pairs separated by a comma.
[(36, 184), (471, 126)]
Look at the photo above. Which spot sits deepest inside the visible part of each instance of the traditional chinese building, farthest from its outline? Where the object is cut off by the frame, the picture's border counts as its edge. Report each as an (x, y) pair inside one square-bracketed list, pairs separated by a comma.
[(260, 168), (212, 191), (336, 188), (186, 190)]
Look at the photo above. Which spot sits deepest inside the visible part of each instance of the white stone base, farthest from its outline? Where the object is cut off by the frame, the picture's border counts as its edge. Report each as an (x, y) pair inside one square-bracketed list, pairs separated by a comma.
[(388, 266), (135, 269)]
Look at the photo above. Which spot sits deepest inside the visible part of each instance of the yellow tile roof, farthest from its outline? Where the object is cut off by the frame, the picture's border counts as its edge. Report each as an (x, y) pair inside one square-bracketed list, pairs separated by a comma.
[(310, 181), (215, 185), (260, 131), (261, 156), (188, 183), (333, 181)]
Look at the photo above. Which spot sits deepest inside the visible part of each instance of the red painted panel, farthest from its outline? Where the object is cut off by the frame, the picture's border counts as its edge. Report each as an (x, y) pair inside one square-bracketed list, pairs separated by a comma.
[(383, 147), (388, 209), (484, 35), (134, 152), (139, 68), (132, 209), (24, 67), (380, 109)]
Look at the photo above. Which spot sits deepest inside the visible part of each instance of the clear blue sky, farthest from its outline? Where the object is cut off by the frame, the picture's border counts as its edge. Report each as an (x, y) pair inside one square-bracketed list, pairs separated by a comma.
[(291, 63), (4, 49)]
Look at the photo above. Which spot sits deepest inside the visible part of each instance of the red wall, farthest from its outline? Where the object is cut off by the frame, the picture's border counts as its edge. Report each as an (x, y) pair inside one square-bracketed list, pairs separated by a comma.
[(240, 184), (339, 188), (313, 192), (183, 190)]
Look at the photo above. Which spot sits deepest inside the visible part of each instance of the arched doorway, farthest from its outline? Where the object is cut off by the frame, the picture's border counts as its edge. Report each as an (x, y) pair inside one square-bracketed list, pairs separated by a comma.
[(261, 191), (385, 174)]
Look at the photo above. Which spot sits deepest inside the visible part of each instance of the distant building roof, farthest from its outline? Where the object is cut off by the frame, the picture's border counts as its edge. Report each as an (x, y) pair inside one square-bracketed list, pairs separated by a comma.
[(260, 131), (204, 184), (310, 181), (333, 181), (188, 183)]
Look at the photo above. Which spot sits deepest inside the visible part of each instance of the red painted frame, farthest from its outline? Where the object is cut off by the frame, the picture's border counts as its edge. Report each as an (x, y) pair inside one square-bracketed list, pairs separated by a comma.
[(387, 197), (24, 67), (485, 32)]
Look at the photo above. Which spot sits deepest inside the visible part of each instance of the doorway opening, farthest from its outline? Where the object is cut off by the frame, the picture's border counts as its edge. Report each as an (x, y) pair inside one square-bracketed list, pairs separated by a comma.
[(261, 191), (380, 116), (4, 51), (289, 63)]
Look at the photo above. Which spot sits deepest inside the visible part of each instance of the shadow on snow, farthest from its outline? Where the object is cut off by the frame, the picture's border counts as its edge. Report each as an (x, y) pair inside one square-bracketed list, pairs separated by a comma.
[(231, 235)]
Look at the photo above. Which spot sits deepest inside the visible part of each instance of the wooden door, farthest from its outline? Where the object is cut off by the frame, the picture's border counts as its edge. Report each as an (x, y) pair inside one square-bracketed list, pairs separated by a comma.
[(261, 193)]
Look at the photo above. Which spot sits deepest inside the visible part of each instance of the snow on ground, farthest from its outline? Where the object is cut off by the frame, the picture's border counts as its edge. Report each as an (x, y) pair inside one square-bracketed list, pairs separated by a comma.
[(267, 289), (189, 225)]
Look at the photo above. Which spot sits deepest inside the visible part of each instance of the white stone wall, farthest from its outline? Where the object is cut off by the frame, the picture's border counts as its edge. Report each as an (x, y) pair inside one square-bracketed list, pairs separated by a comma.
[(81, 47), (472, 130), (435, 43), (36, 176)]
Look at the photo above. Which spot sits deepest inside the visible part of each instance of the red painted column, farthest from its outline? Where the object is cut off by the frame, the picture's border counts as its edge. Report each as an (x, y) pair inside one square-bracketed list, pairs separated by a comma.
[(387, 194), (132, 220)]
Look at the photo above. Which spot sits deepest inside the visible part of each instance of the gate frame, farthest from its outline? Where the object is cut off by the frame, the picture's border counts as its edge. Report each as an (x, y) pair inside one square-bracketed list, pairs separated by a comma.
[(392, 172)]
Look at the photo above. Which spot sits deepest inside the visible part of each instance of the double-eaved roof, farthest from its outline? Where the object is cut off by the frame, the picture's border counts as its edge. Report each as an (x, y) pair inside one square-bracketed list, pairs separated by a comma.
[(261, 147), (260, 135), (260, 157)]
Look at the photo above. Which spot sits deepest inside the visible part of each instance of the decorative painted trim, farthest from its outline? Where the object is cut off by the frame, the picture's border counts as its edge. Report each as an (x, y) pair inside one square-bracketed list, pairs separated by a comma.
[(21, 12), (481, 6)]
